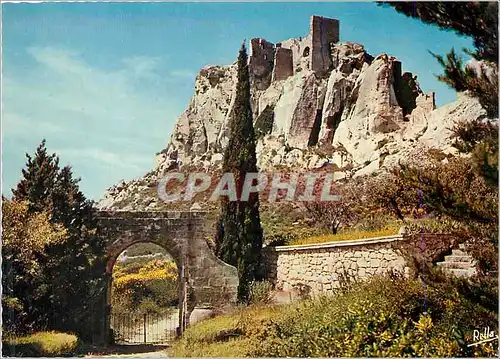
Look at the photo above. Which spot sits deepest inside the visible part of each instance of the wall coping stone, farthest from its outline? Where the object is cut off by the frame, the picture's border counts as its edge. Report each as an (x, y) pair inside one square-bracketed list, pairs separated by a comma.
[(355, 242), (121, 214)]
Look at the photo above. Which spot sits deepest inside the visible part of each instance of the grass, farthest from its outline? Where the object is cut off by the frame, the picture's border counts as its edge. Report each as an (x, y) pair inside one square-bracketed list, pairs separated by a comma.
[(347, 236), (47, 344), (383, 317), (227, 335)]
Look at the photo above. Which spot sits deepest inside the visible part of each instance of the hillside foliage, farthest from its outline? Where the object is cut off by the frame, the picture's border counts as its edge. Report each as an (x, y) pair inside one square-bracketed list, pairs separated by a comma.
[(42, 344), (385, 317)]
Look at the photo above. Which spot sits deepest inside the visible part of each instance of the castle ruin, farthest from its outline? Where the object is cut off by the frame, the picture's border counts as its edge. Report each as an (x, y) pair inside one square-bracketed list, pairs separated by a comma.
[(276, 62)]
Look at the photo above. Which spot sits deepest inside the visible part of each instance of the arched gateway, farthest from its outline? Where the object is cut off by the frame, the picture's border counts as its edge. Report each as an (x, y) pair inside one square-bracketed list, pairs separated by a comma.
[(203, 278)]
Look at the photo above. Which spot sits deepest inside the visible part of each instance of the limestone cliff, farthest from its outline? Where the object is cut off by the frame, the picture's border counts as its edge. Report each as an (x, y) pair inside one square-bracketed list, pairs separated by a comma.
[(315, 101)]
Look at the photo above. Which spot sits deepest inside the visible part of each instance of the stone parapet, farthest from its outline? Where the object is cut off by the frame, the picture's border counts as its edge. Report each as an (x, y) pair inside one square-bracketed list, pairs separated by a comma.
[(322, 267)]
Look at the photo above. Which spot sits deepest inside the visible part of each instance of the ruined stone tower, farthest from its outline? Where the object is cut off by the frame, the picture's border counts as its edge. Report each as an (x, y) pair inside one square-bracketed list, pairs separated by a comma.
[(324, 33), (276, 62)]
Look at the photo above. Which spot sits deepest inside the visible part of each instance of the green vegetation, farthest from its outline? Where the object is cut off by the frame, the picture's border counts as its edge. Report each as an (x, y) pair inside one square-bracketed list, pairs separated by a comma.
[(384, 317), (478, 20), (41, 344), (141, 249), (227, 335), (54, 263), (239, 237), (264, 123), (261, 292), (284, 222), (347, 236), (148, 286), (24, 238)]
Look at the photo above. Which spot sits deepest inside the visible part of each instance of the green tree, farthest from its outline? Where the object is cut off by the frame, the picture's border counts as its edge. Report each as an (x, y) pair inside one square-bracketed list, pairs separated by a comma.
[(24, 239), (239, 238), (464, 190), (478, 20), (38, 178), (79, 270), (73, 270)]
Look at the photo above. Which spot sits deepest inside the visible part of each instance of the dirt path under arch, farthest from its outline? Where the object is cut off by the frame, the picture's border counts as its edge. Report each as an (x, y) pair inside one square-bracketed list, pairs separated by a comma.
[(118, 351)]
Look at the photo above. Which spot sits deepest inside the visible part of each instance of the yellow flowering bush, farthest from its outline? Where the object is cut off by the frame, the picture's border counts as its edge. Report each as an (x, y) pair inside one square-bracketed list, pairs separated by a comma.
[(151, 286), (24, 238), (25, 234), (384, 317)]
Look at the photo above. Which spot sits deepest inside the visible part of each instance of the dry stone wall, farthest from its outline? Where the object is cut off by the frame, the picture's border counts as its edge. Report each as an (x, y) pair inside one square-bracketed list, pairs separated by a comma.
[(322, 267)]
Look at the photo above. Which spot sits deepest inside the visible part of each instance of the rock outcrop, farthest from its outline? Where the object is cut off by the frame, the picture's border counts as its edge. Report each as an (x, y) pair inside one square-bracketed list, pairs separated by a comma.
[(315, 101)]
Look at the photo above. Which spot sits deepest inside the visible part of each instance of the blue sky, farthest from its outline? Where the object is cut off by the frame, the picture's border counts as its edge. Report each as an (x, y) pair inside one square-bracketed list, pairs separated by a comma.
[(103, 83)]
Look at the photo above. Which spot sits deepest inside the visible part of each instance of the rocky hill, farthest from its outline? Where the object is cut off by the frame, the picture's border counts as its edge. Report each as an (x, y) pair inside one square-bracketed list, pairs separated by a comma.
[(316, 101)]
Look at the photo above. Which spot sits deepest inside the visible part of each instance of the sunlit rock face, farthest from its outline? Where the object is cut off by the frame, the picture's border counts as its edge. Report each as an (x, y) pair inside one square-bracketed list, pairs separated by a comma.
[(315, 101)]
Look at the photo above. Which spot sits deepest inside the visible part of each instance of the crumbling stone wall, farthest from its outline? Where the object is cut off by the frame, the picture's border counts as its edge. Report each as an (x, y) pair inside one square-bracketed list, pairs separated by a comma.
[(321, 267), (283, 64), (405, 88), (260, 62), (203, 278), (268, 62), (314, 50), (298, 48), (324, 33)]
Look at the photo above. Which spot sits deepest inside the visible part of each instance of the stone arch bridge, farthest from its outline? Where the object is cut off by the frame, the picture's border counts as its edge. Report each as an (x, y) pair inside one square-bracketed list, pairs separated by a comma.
[(203, 278)]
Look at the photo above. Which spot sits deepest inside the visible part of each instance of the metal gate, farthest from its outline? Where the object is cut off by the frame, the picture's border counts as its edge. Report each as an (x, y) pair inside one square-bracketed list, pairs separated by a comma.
[(131, 328)]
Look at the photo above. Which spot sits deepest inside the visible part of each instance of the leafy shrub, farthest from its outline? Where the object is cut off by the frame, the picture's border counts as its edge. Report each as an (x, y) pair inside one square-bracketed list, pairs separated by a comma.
[(281, 239), (24, 239), (386, 316), (461, 195), (46, 344), (432, 225), (374, 222), (261, 292), (264, 123), (145, 287)]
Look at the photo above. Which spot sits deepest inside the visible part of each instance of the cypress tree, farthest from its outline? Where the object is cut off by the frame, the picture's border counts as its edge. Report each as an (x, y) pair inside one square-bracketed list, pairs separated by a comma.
[(239, 237)]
